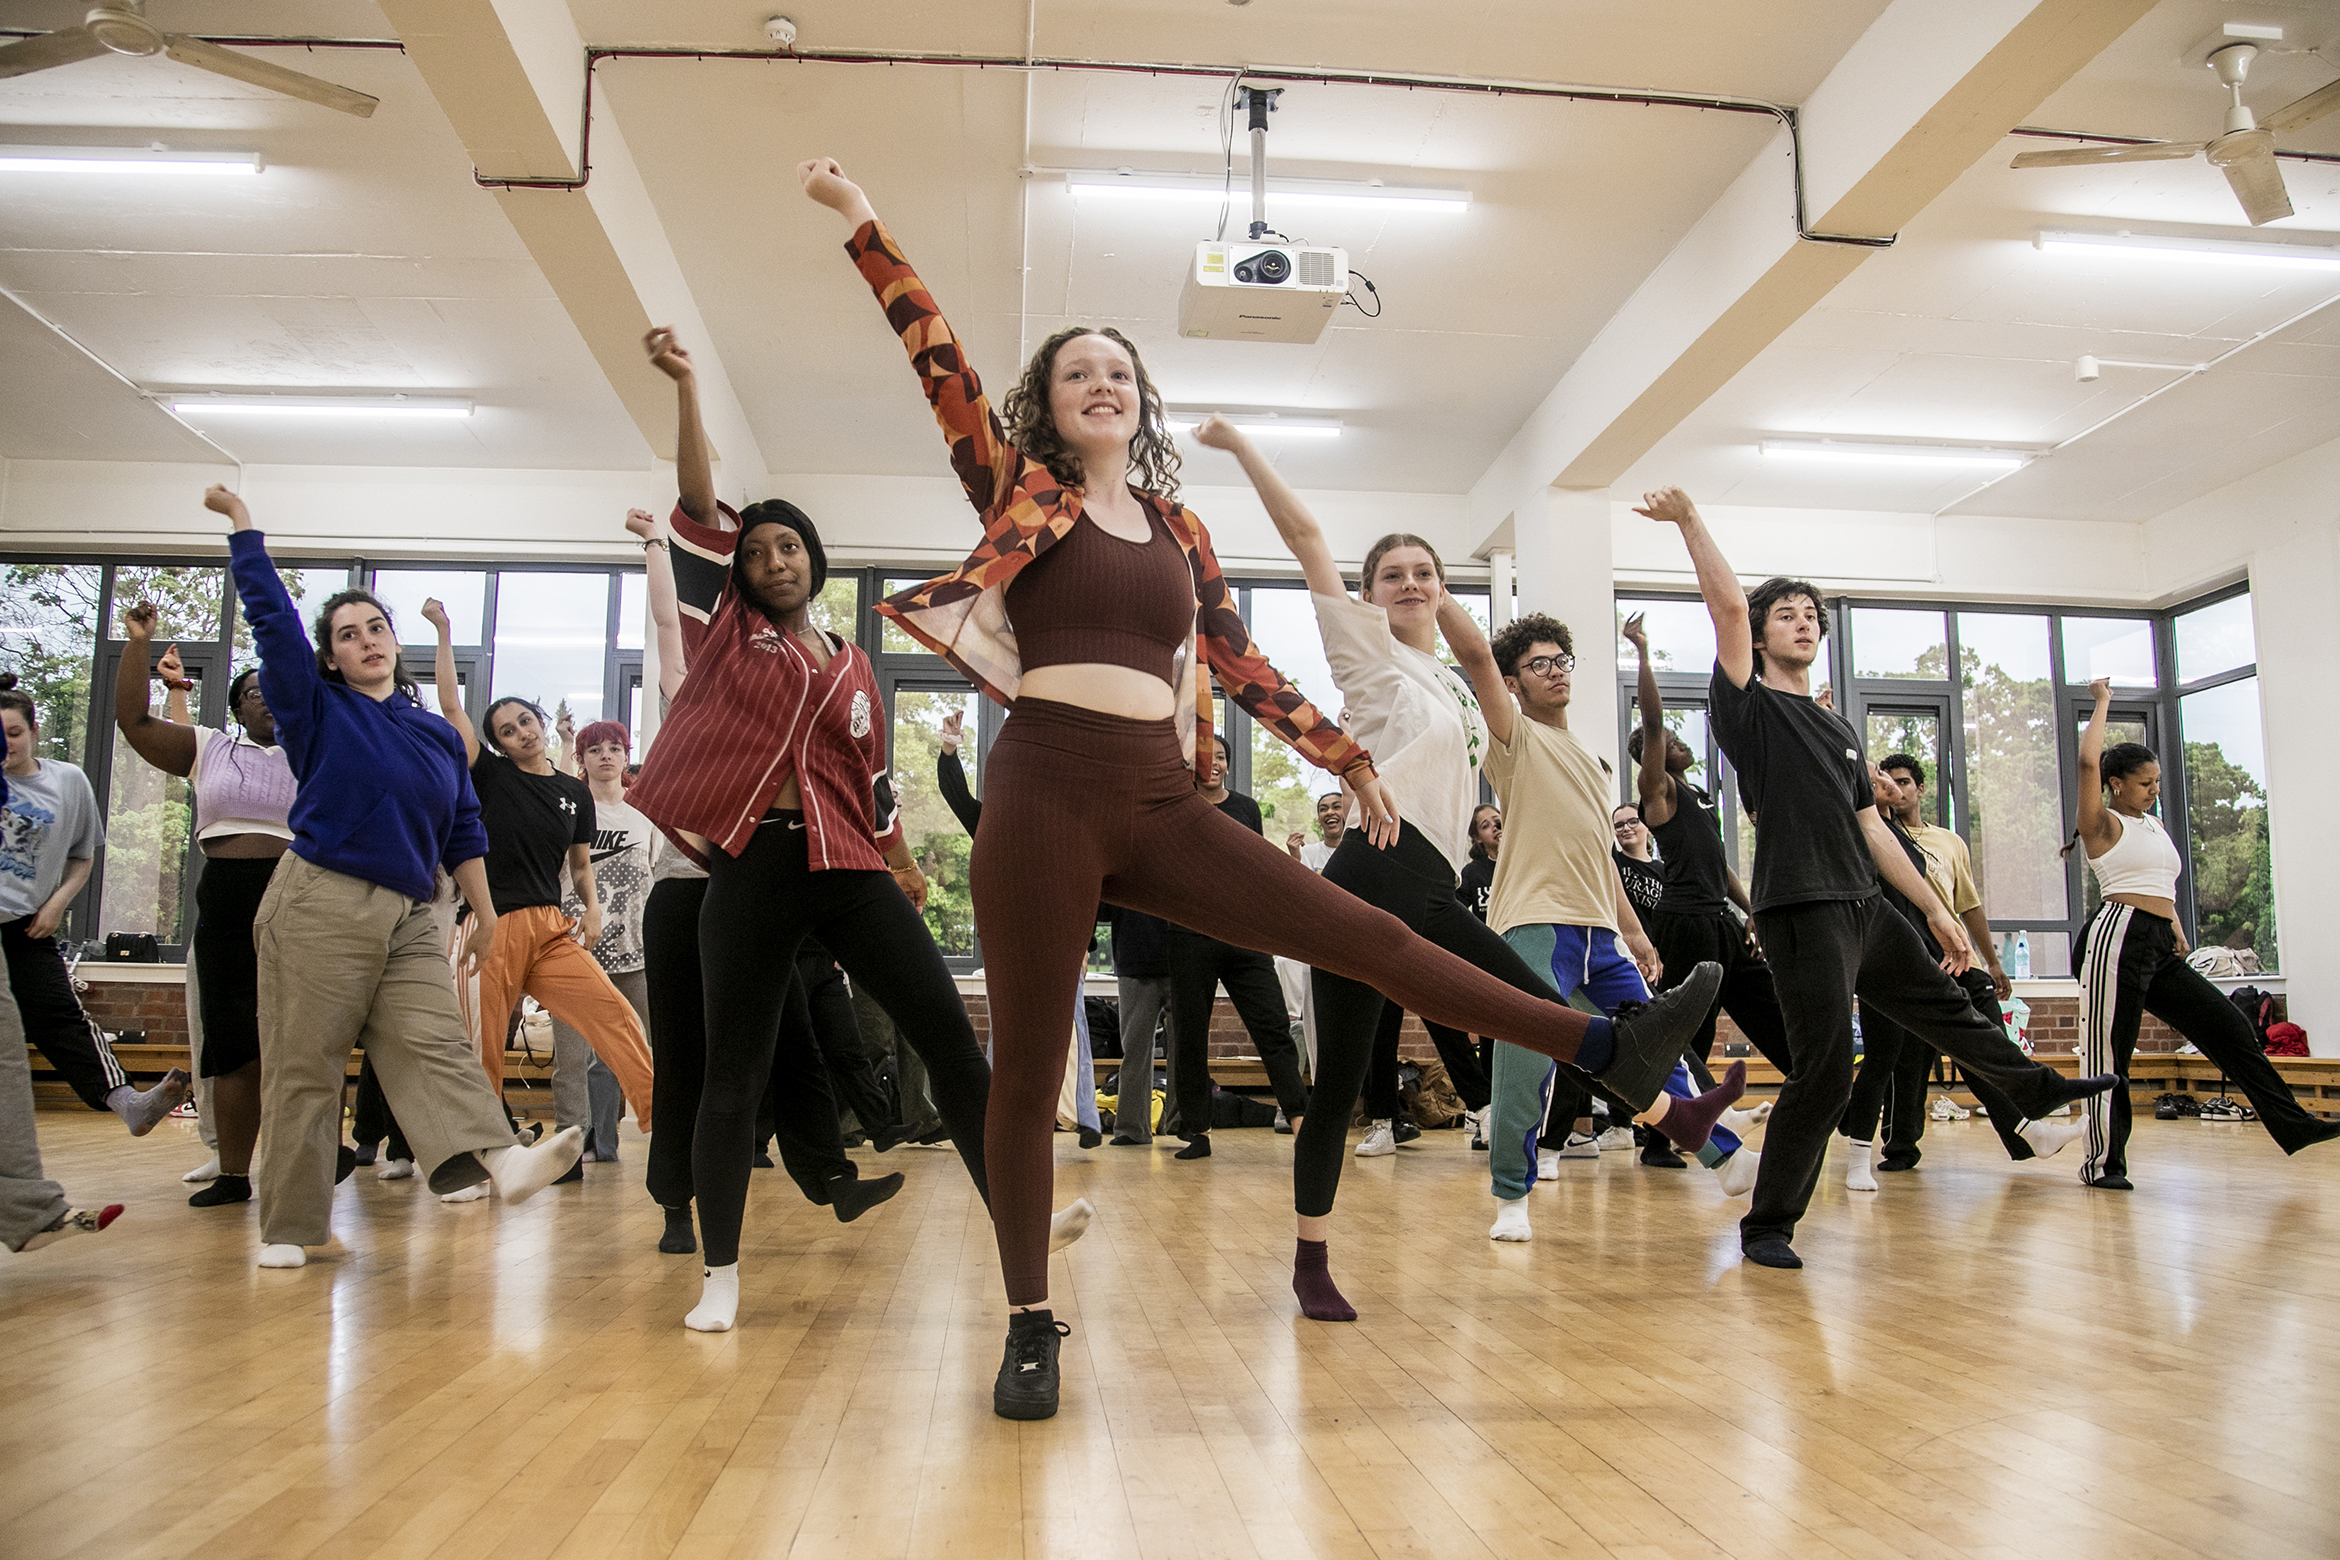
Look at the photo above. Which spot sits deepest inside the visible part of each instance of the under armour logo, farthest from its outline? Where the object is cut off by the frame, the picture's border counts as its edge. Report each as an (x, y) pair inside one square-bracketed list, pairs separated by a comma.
[(1851, 754)]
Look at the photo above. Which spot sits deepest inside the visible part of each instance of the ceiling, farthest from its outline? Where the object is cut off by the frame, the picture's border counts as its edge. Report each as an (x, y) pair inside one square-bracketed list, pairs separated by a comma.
[(366, 256)]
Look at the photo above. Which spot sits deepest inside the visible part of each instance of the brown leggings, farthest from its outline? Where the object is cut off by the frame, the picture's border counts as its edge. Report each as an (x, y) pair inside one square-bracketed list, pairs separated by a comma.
[(1080, 806)]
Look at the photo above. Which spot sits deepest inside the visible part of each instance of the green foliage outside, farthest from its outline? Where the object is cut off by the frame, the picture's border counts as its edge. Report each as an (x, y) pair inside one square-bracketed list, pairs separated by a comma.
[(2014, 790), (2234, 885), (48, 629), (940, 846)]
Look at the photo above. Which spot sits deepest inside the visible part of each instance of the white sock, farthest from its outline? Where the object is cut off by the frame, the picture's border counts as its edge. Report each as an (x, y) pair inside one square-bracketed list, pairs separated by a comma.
[(206, 1171), (395, 1170), (472, 1193), (1511, 1221), (1736, 1175), (520, 1173), (718, 1305), (283, 1256), (1856, 1174), (2048, 1138), (1070, 1224)]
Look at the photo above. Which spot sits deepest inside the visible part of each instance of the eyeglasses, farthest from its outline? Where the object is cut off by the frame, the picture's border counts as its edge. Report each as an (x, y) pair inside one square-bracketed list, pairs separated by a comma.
[(1622, 824), (1545, 665)]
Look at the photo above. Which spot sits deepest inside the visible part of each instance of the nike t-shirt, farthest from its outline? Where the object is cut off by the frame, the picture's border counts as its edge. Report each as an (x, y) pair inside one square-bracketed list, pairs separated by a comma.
[(1801, 773), (621, 881)]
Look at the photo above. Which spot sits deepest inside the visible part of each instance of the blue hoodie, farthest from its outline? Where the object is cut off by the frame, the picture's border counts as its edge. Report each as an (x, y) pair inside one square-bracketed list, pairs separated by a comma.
[(385, 788)]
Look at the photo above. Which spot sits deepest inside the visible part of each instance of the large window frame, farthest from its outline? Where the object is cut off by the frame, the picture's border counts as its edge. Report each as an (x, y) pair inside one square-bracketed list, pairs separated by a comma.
[(2156, 707)]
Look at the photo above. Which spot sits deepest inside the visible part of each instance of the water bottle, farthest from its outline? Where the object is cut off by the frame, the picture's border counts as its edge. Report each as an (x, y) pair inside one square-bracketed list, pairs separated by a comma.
[(2019, 967)]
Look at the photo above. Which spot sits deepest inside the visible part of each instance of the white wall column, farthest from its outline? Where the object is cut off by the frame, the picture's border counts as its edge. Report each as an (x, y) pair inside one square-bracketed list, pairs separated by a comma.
[(1562, 557), (2295, 578)]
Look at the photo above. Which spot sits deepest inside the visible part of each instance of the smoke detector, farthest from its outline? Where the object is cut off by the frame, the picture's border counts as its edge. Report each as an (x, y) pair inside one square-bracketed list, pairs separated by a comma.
[(781, 31)]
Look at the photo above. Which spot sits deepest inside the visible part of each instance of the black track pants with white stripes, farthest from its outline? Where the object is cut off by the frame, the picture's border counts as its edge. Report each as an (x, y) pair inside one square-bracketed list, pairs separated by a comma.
[(53, 1016)]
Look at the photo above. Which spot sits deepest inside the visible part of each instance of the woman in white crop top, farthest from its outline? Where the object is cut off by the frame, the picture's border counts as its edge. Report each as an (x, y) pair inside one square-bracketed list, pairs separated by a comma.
[(2130, 959), (244, 789)]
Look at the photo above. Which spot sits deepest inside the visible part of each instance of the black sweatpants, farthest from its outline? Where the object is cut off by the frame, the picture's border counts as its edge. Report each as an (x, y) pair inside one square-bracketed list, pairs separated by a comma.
[(2127, 963), (828, 1012), (1683, 942), (1412, 881), (53, 1015), (1890, 1091), (1199, 966), (371, 1120), (1822, 954), (227, 899), (760, 905)]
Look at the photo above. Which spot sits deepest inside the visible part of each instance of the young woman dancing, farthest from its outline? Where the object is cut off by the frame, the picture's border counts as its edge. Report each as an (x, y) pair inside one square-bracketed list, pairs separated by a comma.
[(1119, 622), (773, 754), (244, 790), (1432, 731), (537, 819), (2130, 959), (346, 943)]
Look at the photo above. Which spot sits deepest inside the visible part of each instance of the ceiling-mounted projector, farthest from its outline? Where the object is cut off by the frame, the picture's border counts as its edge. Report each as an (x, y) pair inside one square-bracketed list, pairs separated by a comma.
[(1262, 292)]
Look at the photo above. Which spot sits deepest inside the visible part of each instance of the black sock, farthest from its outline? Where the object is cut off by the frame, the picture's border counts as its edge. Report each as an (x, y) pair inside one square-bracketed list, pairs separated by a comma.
[(1200, 1148), (1773, 1251), (224, 1189)]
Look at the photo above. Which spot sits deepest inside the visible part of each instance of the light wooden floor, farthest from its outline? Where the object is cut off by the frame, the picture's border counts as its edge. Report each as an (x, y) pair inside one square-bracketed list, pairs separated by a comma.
[(1981, 1360)]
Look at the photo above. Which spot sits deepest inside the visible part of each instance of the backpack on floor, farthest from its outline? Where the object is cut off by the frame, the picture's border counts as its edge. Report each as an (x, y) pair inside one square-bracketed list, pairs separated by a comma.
[(2258, 1010), (1104, 1026), (1239, 1110), (1428, 1097)]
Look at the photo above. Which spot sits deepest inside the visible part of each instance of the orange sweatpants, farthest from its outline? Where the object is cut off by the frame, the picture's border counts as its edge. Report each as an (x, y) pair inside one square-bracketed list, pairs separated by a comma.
[(535, 956)]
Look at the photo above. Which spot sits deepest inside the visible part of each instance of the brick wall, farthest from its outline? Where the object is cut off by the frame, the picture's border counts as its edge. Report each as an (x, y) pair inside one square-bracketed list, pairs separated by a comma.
[(118, 1005)]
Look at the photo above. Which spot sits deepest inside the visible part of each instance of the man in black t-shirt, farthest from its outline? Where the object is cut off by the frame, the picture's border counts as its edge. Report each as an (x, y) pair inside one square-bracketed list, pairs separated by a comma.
[(1820, 852)]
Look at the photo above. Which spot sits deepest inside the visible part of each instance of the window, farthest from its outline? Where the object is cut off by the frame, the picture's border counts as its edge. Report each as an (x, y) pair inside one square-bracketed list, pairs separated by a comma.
[(1891, 643), (187, 601), (1283, 624), (2219, 638), (310, 588), (938, 841), (48, 635), (2119, 648), (838, 610), (2015, 806), (891, 639), (633, 610), (149, 823), (1681, 637), (552, 637)]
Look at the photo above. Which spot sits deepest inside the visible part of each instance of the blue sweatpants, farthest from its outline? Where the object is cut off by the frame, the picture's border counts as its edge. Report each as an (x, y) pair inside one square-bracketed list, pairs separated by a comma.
[(1591, 972)]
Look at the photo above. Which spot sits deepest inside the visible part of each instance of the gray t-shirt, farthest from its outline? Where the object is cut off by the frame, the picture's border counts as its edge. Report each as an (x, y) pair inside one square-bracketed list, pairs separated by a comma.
[(621, 880), (51, 818)]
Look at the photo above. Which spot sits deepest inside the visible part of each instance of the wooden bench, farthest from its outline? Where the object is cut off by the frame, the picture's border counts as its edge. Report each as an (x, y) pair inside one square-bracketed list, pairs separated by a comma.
[(527, 1081)]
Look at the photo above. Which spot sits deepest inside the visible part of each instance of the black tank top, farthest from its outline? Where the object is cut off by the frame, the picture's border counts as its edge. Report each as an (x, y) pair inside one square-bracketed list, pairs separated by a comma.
[(1093, 598), (1690, 848)]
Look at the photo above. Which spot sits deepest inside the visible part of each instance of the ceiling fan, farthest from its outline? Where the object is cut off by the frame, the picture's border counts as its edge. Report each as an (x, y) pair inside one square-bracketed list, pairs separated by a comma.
[(2245, 153), (121, 27)]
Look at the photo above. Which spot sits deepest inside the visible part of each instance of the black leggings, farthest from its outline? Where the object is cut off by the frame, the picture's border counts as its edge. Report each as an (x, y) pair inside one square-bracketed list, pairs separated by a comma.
[(1199, 966), (1683, 941), (227, 897), (1412, 881), (760, 905), (2127, 963), (371, 1120), (54, 1019), (1894, 1068)]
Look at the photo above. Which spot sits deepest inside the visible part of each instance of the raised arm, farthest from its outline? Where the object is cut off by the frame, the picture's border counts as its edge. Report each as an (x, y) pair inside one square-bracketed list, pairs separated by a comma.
[(694, 469), (171, 672), (1654, 782), (1292, 520), (169, 748), (952, 775), (289, 677), (1726, 600), (1472, 654), (980, 453), (665, 611), (2097, 826), (443, 678)]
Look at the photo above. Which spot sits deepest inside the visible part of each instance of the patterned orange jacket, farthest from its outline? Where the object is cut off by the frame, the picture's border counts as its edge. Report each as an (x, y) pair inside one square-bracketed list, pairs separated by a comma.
[(962, 616)]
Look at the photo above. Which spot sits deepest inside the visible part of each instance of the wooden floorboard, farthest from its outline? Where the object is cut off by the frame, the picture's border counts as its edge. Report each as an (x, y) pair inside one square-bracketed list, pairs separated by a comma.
[(1981, 1360)]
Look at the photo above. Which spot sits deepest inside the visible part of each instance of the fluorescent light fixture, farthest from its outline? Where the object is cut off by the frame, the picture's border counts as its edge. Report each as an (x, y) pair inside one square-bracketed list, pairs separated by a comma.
[(1907, 454), (1273, 425), (127, 159), (2229, 251), (200, 403), (1209, 189)]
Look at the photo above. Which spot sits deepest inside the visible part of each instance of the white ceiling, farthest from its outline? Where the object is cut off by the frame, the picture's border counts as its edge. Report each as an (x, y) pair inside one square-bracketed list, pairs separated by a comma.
[(367, 257)]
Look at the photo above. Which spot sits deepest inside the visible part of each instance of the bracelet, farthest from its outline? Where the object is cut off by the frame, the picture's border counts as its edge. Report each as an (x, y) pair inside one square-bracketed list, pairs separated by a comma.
[(653, 541)]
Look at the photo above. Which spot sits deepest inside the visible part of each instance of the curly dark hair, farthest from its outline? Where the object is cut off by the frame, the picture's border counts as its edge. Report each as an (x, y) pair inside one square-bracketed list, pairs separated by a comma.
[(1031, 425), (1904, 761), (1516, 636), (1772, 591)]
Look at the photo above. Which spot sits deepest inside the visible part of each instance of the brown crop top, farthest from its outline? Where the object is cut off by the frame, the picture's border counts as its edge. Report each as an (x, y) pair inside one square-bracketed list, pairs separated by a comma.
[(1096, 599)]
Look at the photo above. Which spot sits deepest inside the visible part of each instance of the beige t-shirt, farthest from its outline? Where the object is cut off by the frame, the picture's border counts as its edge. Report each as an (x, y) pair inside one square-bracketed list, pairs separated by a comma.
[(1948, 867), (1555, 868)]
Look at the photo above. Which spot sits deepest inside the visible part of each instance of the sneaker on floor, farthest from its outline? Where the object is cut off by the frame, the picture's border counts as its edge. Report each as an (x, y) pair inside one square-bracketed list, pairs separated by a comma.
[(1906, 1161), (1580, 1145), (1945, 1108), (1028, 1371), (1615, 1140), (1659, 1154), (2224, 1109), (1379, 1141), (1511, 1221), (1772, 1251), (365, 1153)]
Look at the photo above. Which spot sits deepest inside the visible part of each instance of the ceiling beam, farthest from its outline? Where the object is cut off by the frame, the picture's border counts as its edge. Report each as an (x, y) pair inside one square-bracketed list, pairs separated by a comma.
[(510, 75), (1926, 91)]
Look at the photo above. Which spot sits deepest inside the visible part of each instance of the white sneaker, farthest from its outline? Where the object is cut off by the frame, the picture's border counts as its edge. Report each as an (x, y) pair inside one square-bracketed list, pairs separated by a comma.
[(1379, 1140), (2049, 1138), (1475, 1121), (1579, 1146), (1511, 1221), (1736, 1175), (1945, 1108), (1548, 1165), (206, 1171), (1619, 1140)]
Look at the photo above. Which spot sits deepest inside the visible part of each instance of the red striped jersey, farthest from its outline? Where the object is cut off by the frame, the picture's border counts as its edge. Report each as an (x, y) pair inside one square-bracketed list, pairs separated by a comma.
[(756, 708)]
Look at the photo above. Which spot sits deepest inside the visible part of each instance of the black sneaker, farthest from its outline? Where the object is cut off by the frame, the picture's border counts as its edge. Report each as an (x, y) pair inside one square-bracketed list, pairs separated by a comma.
[(1028, 1376), (2165, 1107), (2224, 1109), (1650, 1036), (1403, 1130)]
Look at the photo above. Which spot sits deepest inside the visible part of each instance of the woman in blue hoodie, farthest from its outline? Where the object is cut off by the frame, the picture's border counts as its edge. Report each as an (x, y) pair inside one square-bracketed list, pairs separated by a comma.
[(347, 945)]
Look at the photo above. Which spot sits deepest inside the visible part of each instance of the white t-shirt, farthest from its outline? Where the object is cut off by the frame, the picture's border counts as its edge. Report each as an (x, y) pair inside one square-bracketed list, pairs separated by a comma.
[(1419, 720), (1315, 854), (621, 880)]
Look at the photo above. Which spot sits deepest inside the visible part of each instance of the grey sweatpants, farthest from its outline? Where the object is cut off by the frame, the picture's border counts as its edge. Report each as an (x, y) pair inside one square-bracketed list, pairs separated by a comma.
[(585, 1093), (1141, 1000), (203, 1122), (29, 1203), (340, 960)]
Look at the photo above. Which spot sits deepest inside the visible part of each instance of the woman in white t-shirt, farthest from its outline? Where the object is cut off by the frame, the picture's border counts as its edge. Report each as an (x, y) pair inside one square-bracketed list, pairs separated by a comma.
[(620, 854), (1423, 725)]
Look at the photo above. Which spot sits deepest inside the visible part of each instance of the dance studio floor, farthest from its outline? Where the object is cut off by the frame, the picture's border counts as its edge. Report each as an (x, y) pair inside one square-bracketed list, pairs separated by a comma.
[(1980, 1360)]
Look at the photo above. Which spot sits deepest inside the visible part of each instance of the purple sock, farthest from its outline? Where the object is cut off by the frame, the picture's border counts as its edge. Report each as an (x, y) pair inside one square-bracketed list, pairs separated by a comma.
[(1691, 1122), (1312, 1282)]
